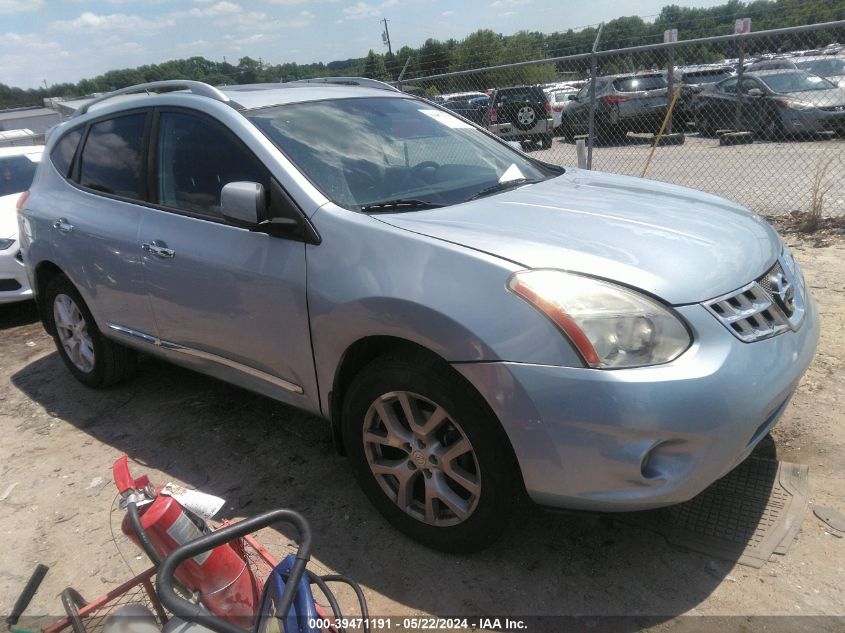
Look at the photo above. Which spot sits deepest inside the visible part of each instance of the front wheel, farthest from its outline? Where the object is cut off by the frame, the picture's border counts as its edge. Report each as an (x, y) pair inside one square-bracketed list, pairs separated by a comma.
[(92, 359), (429, 453)]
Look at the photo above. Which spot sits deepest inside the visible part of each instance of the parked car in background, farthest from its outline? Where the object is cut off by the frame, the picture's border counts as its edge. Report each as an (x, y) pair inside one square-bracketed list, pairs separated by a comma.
[(775, 63), (452, 96), (521, 113), (694, 79), (473, 108), (624, 103), (558, 98), (828, 66), (17, 168), (772, 103)]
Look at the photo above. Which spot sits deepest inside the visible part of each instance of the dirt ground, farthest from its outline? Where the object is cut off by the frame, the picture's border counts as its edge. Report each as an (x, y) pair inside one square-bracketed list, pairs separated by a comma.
[(59, 440)]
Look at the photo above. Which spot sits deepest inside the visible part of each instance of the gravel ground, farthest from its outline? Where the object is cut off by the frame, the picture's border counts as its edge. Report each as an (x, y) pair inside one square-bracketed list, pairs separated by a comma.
[(770, 178), (60, 440)]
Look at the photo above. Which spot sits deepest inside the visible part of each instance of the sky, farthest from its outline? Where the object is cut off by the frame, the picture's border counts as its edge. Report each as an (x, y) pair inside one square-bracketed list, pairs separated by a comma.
[(57, 41)]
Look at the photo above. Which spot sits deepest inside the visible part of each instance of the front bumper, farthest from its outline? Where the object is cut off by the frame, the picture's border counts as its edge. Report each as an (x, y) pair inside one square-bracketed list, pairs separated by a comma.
[(815, 120), (510, 132), (14, 284), (634, 439)]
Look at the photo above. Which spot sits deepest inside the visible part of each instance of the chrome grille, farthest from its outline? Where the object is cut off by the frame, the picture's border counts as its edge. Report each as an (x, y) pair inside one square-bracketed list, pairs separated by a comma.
[(765, 307)]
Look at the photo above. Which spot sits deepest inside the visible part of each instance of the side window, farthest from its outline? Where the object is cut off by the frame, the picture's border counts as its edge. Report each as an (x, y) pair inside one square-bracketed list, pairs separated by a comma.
[(748, 84), (728, 87), (584, 93), (196, 158), (64, 150), (112, 158)]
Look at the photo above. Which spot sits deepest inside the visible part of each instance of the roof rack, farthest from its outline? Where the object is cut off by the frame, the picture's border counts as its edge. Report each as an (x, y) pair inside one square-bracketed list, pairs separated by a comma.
[(346, 81), (194, 87)]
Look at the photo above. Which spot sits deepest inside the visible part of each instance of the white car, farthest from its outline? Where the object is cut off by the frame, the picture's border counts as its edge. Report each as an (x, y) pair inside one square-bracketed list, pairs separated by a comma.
[(17, 167), (558, 99)]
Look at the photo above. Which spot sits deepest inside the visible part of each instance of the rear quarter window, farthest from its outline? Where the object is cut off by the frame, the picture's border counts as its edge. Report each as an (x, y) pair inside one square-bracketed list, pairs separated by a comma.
[(62, 154), (112, 158)]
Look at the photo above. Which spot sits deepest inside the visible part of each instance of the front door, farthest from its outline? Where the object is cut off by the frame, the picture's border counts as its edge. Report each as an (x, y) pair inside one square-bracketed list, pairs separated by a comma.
[(224, 297)]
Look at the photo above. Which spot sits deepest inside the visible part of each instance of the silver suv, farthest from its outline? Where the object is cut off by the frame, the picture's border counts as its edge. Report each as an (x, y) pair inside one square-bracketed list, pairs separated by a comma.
[(476, 325)]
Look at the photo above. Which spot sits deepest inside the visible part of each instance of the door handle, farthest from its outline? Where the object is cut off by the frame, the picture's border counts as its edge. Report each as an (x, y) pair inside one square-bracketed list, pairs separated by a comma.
[(62, 226), (157, 248)]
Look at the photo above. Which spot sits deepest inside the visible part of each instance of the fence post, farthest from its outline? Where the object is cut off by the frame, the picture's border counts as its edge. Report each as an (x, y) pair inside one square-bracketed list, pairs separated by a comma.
[(740, 71), (591, 129), (580, 151)]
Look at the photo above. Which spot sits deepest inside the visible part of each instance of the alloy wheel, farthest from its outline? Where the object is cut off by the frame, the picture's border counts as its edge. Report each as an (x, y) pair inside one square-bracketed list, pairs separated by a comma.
[(526, 115), (73, 333), (421, 458)]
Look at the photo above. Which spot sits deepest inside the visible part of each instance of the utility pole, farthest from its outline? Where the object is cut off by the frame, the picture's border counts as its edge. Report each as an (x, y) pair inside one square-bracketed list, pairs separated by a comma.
[(386, 36)]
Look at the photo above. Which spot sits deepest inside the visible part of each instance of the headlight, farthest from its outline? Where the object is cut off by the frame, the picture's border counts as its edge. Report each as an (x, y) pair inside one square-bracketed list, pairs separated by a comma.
[(610, 325), (5, 244), (796, 105)]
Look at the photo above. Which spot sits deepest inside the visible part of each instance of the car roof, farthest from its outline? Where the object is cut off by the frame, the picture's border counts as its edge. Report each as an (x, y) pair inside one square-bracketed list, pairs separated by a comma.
[(773, 71), (263, 96)]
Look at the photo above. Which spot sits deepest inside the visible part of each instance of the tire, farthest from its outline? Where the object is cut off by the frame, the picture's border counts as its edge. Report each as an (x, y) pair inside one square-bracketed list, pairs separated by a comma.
[(525, 116), (481, 453), (705, 126), (105, 362), (546, 141), (773, 129)]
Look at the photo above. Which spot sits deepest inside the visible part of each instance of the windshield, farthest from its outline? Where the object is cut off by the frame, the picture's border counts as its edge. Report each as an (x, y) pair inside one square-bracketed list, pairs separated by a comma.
[(363, 151), (16, 174), (823, 67), (796, 82)]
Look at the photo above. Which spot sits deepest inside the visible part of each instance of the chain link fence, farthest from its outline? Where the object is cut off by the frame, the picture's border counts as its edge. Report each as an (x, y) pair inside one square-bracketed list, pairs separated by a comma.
[(758, 118)]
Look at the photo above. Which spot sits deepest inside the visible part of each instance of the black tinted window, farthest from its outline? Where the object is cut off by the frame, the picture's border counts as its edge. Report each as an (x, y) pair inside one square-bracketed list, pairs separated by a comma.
[(524, 94), (16, 174), (64, 150), (635, 84), (706, 77), (112, 159), (196, 158)]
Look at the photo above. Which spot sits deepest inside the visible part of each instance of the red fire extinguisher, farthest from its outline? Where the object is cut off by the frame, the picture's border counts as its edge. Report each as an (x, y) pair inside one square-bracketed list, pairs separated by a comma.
[(158, 524)]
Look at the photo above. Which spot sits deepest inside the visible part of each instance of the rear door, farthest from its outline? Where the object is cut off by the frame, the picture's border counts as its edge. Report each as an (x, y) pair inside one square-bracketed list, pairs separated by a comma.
[(224, 297), (647, 96), (94, 230)]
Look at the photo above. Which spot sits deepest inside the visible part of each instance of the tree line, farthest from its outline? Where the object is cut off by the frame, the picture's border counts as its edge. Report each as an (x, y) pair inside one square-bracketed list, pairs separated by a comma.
[(486, 48)]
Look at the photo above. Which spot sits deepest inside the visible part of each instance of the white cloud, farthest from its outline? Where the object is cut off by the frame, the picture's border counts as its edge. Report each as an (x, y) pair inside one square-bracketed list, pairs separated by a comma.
[(221, 8), (361, 10), (287, 3), (446, 14), (20, 6), (257, 21), (88, 21), (510, 3)]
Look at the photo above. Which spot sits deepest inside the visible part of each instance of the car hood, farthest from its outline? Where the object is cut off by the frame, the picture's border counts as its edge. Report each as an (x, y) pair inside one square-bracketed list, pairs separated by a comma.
[(8, 216), (679, 244), (820, 98)]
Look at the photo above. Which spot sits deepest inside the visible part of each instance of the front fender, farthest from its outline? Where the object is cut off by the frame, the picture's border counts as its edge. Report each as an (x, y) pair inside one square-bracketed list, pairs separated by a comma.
[(368, 278)]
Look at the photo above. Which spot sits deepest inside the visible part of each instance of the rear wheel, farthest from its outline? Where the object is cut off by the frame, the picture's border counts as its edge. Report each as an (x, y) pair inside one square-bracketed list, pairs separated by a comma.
[(429, 453), (93, 359)]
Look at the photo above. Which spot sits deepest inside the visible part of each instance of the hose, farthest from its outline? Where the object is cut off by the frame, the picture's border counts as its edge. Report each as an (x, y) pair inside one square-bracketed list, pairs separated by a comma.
[(146, 544), (316, 580)]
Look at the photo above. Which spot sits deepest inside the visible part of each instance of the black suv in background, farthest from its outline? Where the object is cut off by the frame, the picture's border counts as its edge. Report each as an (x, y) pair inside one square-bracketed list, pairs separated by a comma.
[(624, 103), (521, 113)]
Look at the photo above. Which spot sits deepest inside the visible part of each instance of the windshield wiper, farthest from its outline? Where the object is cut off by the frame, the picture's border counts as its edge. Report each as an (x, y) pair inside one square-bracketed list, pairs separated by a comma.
[(502, 186), (402, 204)]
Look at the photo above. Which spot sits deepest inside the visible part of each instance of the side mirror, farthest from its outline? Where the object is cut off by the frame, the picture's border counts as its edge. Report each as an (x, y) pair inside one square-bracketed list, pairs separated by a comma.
[(243, 202), (755, 92), (571, 97)]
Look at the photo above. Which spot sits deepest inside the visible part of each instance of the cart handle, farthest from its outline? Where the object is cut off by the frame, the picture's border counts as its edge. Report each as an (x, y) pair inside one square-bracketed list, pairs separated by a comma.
[(193, 612)]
